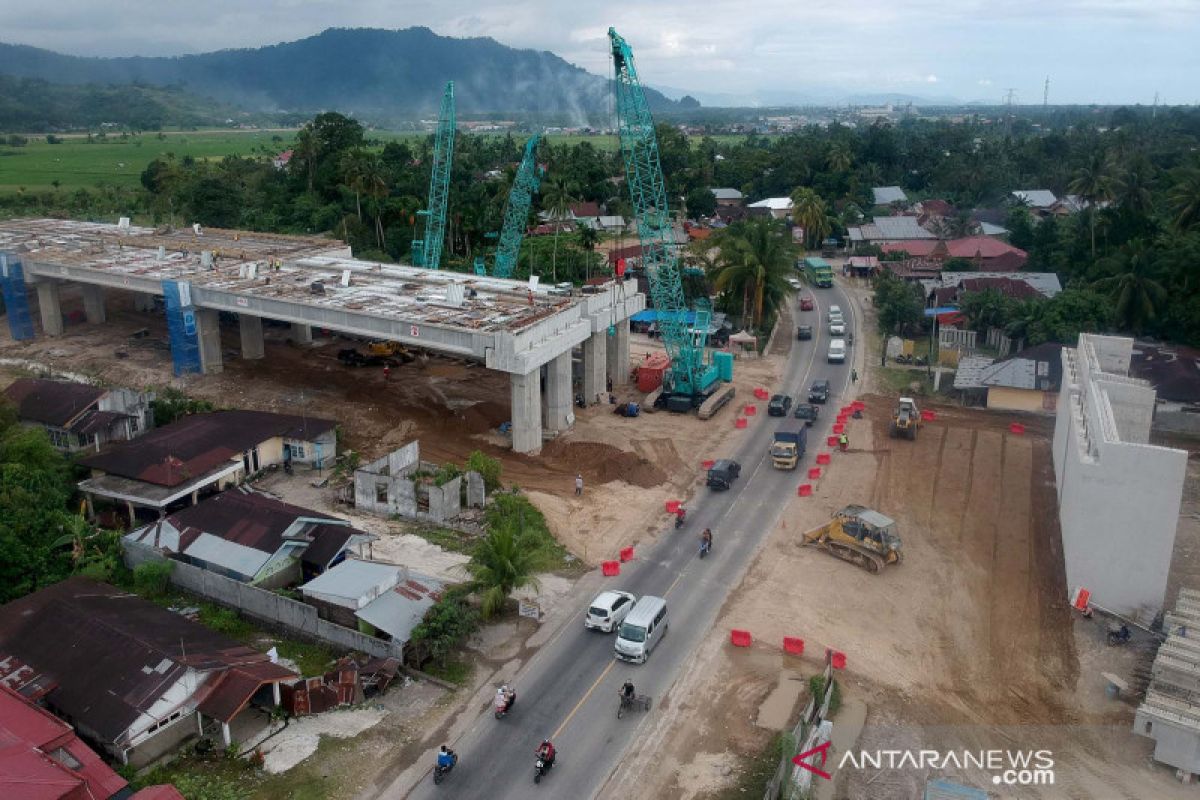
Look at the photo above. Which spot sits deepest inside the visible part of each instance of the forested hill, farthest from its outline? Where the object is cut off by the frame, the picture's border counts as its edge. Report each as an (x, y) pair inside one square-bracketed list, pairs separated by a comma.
[(373, 73)]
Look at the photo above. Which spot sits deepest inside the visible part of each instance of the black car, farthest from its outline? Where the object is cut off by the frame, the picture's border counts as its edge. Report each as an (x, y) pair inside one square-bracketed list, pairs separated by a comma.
[(723, 474), (807, 412), (779, 406), (819, 393), (804, 332)]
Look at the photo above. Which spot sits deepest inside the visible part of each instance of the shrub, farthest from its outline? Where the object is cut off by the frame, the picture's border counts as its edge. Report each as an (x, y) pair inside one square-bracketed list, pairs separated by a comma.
[(487, 467), (446, 473), (152, 578), (171, 404), (448, 623)]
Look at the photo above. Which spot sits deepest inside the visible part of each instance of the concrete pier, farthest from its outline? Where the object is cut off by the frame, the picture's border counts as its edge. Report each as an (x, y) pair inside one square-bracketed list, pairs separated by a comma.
[(595, 366), (618, 354), (143, 301), (526, 412), (302, 334), (93, 302), (559, 414), (208, 334), (251, 328), (50, 307)]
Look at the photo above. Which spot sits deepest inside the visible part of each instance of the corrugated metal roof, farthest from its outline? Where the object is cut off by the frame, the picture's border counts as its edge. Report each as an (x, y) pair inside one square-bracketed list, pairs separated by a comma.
[(886, 195), (970, 370), (774, 203), (726, 194), (401, 608), (353, 578), (51, 402), (1036, 198), (901, 228)]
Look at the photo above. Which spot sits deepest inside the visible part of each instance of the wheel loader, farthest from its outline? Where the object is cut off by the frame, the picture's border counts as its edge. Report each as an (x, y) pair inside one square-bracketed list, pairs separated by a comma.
[(859, 535), (906, 419)]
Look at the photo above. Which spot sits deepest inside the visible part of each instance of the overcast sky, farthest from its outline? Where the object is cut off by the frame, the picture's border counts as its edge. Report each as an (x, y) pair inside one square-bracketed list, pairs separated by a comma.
[(1104, 51)]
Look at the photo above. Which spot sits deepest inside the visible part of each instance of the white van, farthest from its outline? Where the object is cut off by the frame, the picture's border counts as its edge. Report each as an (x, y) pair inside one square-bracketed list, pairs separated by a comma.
[(642, 629), (837, 351)]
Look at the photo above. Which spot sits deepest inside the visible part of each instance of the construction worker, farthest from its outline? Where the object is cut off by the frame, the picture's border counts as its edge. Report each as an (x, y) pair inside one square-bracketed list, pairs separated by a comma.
[(854, 376), (844, 442), (578, 485), (387, 373)]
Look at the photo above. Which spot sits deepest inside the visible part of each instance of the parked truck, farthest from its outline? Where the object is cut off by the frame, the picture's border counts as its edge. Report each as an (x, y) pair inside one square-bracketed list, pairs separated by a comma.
[(788, 448)]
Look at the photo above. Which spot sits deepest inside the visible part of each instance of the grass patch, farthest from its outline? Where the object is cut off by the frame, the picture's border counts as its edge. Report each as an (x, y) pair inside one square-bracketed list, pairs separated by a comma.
[(210, 776), (445, 538), (455, 669), (816, 688), (899, 381), (551, 556), (226, 621), (752, 780), (311, 659)]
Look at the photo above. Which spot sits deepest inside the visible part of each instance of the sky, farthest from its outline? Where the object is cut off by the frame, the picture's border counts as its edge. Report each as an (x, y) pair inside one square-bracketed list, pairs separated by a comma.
[(765, 51)]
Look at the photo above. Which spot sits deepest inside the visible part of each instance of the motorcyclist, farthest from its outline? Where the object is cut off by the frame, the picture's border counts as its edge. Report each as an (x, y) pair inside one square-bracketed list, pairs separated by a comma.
[(445, 757), (680, 515), (706, 539), (504, 697), (627, 692), (546, 753)]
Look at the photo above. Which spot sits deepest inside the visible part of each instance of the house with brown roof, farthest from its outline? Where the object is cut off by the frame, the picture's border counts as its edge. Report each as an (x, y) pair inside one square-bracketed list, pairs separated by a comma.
[(131, 676), (254, 538), (986, 252), (41, 758), (79, 416), (199, 455)]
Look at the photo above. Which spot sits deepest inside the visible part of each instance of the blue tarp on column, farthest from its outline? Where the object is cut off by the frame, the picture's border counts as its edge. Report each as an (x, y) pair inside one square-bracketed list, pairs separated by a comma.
[(181, 327), (16, 300)]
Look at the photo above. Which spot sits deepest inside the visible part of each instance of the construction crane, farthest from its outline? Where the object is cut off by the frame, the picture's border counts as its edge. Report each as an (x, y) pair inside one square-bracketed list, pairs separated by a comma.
[(691, 374), (516, 214), (427, 252)]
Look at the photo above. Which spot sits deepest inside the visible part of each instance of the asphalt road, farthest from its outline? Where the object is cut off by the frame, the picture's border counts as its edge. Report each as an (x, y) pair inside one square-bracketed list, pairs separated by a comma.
[(568, 691)]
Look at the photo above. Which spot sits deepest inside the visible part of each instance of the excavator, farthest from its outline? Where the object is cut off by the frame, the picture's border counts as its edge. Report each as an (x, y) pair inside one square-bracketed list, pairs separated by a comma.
[(859, 535), (905, 420)]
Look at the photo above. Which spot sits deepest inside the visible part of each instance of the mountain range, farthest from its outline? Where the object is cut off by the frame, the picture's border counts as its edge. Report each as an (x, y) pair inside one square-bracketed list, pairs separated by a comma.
[(381, 75)]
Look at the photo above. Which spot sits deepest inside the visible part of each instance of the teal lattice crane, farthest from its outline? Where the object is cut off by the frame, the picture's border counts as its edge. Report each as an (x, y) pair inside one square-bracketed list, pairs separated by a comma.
[(691, 373), (427, 252), (516, 212)]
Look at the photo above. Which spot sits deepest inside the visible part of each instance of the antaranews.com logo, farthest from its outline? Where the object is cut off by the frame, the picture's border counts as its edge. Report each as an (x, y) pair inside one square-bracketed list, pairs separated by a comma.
[(1007, 767)]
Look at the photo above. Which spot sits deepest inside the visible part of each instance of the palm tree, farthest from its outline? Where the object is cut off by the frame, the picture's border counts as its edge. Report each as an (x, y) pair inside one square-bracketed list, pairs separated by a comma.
[(557, 199), (1094, 184), (1184, 198), (1136, 296), (589, 237), (808, 211), (354, 166), (306, 150), (839, 158), (1132, 188), (505, 560), (756, 258), (374, 181)]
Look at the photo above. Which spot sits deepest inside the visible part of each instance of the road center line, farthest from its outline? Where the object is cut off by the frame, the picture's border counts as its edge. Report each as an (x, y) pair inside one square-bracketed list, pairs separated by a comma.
[(582, 700)]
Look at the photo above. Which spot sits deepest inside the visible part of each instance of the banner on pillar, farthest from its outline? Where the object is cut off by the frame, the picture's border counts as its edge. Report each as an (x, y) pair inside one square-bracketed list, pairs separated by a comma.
[(16, 300), (181, 327)]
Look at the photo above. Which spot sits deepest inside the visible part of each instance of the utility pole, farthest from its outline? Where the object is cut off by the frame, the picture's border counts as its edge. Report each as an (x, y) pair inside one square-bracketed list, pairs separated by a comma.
[(1008, 102), (1046, 94), (1154, 109)]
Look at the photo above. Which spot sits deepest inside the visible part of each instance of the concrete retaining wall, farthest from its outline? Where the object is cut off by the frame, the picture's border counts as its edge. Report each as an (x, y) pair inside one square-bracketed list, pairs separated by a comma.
[(295, 617)]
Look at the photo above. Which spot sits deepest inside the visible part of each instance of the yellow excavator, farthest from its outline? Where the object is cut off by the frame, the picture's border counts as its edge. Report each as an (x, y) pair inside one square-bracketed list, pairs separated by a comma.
[(390, 349), (859, 535)]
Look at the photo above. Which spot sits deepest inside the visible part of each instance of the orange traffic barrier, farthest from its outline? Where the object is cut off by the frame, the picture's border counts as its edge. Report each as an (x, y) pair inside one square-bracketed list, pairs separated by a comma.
[(611, 568), (740, 638), (804, 490), (626, 554), (793, 645)]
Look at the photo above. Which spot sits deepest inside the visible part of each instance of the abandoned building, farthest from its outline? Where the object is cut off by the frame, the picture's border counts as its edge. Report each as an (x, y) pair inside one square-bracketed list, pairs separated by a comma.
[(403, 485), (79, 416)]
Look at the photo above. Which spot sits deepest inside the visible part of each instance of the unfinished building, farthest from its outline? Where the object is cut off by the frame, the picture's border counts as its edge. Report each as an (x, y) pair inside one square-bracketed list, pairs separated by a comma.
[(401, 484), (1118, 495), (1170, 712), (520, 328)]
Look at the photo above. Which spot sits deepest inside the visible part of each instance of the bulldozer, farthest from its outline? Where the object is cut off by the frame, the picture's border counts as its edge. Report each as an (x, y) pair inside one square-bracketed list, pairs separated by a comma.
[(859, 535), (905, 420)]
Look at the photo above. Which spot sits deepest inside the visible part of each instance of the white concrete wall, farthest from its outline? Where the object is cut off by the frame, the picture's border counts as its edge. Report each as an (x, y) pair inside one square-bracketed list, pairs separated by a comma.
[(1118, 500)]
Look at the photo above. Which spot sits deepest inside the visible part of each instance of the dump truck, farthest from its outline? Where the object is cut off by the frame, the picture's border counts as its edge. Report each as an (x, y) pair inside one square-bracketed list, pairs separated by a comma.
[(860, 535), (906, 419), (788, 448)]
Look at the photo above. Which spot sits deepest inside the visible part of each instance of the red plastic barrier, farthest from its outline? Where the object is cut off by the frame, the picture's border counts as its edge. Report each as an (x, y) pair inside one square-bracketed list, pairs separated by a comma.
[(793, 645), (761, 393), (928, 416), (672, 506), (1082, 596), (842, 419), (611, 568), (836, 658), (846, 411), (626, 554), (858, 405), (739, 638), (804, 490), (750, 411), (1016, 428), (823, 458), (814, 473), (831, 441), (840, 428), (707, 464), (740, 422)]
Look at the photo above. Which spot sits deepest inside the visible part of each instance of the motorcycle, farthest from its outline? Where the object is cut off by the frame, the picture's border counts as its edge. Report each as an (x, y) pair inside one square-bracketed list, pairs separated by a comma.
[(1119, 636), (922, 361), (540, 768), (502, 708), (580, 402), (903, 358), (680, 515), (705, 548), (440, 772)]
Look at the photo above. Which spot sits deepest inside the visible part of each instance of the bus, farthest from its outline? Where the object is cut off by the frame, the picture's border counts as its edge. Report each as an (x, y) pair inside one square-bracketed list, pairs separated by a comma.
[(819, 273)]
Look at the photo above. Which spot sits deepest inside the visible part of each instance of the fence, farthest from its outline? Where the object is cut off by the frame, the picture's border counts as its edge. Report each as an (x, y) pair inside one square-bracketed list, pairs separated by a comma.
[(791, 782), (274, 609), (1003, 343)]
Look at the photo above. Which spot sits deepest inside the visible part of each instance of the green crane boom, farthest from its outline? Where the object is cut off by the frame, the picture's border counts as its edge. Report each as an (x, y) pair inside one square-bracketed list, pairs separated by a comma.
[(516, 213), (427, 252), (690, 372)]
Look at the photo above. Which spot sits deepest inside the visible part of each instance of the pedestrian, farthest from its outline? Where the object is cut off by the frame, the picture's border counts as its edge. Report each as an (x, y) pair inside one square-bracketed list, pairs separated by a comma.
[(883, 358), (854, 376), (578, 485), (387, 373), (844, 442), (608, 384)]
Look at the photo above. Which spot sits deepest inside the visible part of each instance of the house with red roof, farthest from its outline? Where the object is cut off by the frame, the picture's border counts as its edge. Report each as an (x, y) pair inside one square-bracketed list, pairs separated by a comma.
[(986, 252), (282, 160)]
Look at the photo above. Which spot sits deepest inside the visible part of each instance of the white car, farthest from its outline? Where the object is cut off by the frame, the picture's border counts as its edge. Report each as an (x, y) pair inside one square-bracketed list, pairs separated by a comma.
[(608, 610), (837, 328), (835, 311)]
